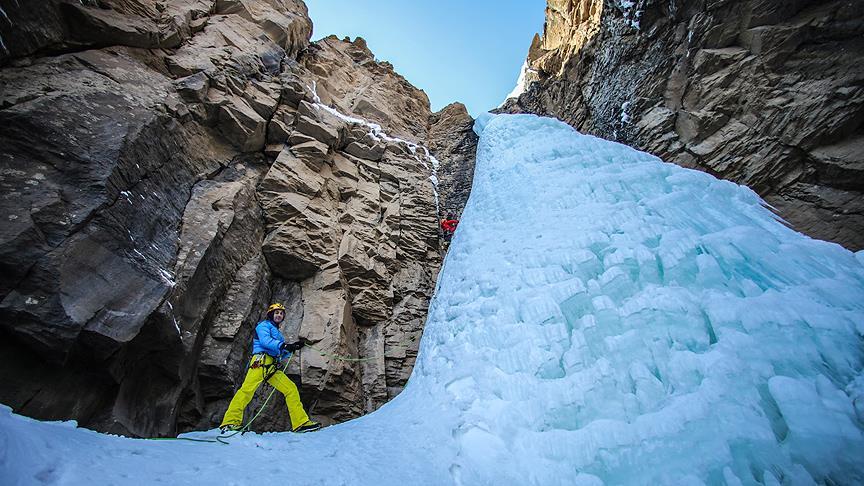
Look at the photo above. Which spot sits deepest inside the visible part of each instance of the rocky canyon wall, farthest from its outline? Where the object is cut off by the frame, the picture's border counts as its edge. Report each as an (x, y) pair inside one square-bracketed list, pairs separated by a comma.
[(453, 141), (761, 92), (168, 169), (347, 80)]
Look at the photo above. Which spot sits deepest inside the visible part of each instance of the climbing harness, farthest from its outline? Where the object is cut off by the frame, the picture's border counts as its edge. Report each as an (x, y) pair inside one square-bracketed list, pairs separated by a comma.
[(259, 361)]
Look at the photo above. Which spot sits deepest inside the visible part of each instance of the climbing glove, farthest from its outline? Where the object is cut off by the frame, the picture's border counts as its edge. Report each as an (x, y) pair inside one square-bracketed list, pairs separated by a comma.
[(292, 346)]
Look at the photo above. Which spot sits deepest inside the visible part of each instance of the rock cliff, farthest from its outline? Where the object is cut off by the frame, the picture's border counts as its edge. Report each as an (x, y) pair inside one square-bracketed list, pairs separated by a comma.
[(452, 139), (761, 92), (349, 79), (168, 169)]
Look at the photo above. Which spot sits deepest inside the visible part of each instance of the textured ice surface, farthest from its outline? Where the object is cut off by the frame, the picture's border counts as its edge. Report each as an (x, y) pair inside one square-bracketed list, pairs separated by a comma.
[(601, 318)]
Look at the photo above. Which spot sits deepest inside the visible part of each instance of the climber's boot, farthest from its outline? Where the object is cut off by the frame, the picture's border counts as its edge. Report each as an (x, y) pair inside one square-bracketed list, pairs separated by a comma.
[(229, 428), (308, 426)]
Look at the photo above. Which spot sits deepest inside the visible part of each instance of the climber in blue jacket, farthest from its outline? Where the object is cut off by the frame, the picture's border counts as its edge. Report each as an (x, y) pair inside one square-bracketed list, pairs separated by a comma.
[(268, 349)]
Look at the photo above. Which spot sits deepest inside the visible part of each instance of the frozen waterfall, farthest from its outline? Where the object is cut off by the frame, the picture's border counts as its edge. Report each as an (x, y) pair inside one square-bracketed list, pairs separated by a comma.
[(602, 317)]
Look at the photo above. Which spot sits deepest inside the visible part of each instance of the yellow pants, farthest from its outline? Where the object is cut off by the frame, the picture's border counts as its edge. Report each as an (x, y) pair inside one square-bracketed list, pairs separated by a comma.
[(254, 377)]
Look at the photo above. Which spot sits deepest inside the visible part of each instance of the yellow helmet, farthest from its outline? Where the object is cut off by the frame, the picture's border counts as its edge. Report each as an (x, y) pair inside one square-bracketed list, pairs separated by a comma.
[(274, 307)]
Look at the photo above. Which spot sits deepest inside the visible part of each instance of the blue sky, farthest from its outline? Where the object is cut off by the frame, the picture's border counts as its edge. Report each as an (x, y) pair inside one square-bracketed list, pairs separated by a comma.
[(454, 50)]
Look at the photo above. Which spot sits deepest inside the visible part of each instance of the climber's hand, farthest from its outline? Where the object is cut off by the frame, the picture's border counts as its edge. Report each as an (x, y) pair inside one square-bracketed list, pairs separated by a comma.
[(291, 347)]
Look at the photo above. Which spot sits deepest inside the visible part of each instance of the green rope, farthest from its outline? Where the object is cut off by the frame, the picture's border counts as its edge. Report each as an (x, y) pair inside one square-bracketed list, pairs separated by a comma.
[(336, 356), (211, 441)]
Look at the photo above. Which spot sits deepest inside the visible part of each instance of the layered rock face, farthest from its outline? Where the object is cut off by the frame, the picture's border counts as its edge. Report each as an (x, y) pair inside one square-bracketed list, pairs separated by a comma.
[(761, 92), (453, 141), (348, 78), (352, 216), (168, 170)]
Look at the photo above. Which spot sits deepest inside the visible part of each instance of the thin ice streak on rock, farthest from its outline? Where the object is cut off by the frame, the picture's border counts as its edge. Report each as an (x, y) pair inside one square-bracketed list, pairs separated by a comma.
[(378, 134)]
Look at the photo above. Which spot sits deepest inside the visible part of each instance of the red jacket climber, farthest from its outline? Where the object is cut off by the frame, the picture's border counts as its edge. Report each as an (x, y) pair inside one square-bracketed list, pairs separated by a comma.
[(448, 226)]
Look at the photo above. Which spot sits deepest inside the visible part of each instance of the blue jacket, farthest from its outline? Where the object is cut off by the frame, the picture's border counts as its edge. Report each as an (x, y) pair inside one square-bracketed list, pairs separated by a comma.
[(267, 339)]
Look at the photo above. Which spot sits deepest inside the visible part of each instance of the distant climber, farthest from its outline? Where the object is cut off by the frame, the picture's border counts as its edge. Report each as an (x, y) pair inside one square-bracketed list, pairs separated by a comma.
[(268, 350), (448, 226)]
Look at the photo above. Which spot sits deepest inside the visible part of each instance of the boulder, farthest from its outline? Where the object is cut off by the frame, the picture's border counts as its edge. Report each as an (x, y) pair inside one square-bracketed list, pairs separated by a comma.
[(345, 168), (107, 26), (225, 348), (329, 324), (283, 22), (272, 150), (369, 280)]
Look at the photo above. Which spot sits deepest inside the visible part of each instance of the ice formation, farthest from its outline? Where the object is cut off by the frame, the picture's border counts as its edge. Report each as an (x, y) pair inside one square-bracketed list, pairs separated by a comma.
[(602, 317), (521, 82)]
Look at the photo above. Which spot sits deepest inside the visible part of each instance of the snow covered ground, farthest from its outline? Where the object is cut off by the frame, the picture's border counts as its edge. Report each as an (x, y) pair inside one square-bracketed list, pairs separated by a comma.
[(602, 317)]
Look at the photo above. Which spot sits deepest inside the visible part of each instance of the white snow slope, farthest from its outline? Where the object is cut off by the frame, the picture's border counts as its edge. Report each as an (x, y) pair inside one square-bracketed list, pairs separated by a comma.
[(602, 317)]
